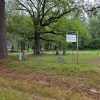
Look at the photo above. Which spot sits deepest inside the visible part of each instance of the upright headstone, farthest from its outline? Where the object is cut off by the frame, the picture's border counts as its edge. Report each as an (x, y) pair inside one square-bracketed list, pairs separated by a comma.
[(22, 55), (60, 59)]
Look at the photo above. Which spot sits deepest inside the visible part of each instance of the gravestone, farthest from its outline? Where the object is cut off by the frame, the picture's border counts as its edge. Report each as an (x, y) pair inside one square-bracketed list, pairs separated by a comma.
[(60, 59), (22, 55)]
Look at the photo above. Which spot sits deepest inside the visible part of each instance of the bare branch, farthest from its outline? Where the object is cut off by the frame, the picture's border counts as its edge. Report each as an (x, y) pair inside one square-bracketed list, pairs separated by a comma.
[(93, 9), (48, 10), (56, 18), (43, 7), (33, 4), (32, 16), (32, 10)]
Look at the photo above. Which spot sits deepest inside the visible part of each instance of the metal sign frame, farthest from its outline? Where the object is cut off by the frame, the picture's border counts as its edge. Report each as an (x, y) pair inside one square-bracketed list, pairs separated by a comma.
[(72, 38)]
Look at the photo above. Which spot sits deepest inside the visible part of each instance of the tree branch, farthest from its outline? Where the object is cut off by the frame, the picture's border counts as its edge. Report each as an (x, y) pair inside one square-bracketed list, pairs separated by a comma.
[(56, 18), (93, 9), (33, 4), (46, 39), (44, 14), (32, 16), (54, 32)]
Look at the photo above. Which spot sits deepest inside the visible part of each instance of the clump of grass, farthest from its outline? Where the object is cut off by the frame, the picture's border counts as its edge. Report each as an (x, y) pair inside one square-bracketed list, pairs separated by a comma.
[(24, 87), (11, 94)]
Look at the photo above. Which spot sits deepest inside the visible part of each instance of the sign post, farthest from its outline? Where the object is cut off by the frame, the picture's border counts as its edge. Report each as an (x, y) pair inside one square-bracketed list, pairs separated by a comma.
[(73, 38), (77, 47)]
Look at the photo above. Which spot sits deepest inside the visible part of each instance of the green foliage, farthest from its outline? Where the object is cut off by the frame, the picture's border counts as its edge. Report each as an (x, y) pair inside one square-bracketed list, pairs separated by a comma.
[(19, 30), (94, 25), (94, 44), (22, 28), (57, 40), (70, 26)]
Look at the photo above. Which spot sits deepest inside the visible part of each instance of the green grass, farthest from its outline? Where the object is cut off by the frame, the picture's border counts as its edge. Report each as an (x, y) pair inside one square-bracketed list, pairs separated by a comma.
[(87, 62), (87, 71), (10, 94), (21, 90)]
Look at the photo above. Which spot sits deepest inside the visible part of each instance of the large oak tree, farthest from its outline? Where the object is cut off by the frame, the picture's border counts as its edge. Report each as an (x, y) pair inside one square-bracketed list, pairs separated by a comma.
[(46, 12), (43, 14)]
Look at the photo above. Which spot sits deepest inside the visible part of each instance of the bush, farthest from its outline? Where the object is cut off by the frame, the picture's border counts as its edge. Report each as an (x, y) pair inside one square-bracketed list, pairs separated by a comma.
[(94, 44)]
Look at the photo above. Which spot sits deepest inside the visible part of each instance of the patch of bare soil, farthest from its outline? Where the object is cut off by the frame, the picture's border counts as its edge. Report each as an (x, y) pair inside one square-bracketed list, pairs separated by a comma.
[(46, 80)]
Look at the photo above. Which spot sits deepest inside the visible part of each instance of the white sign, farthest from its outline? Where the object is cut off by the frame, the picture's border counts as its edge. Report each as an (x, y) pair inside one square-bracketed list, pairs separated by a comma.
[(71, 38)]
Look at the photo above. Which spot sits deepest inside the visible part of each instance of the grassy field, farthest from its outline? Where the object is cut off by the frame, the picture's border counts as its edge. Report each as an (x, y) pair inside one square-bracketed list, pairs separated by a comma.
[(44, 77)]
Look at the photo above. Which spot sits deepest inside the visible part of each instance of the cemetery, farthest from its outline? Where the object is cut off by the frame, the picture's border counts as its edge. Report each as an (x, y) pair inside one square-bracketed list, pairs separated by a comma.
[(49, 50)]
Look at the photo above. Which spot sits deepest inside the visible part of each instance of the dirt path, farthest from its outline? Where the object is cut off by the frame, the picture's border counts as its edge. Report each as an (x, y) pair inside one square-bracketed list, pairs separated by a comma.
[(45, 80)]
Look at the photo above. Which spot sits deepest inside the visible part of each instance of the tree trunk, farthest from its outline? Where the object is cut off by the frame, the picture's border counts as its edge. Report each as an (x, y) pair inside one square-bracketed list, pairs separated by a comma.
[(64, 52), (12, 48), (23, 51), (28, 47), (57, 51), (37, 43), (3, 47), (22, 46)]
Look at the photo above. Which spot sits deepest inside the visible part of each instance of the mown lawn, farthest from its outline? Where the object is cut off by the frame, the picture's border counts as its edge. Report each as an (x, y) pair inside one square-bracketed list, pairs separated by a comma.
[(44, 77)]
